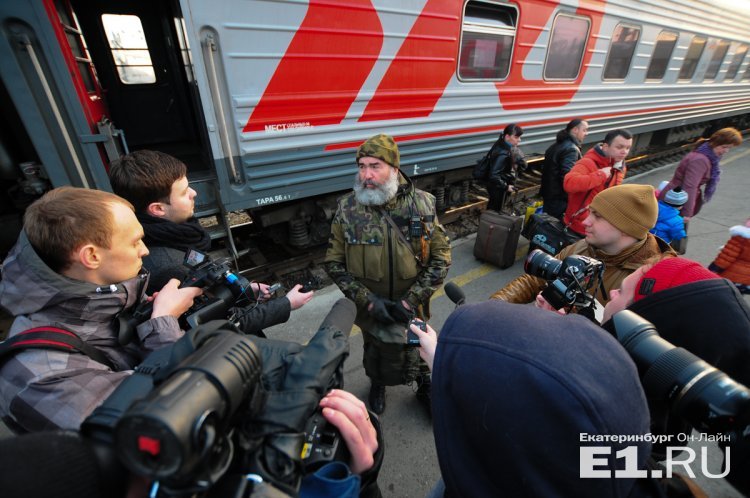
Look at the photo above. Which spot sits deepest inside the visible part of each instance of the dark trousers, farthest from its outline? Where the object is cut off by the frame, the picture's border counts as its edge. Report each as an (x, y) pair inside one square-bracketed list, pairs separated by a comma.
[(555, 207), (497, 198)]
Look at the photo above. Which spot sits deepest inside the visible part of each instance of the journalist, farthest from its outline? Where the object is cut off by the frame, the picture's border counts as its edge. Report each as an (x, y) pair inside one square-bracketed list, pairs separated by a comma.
[(76, 266), (514, 390), (616, 234), (157, 186)]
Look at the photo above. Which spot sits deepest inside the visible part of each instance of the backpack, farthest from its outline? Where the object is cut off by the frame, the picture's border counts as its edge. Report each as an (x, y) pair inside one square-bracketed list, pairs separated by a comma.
[(482, 168)]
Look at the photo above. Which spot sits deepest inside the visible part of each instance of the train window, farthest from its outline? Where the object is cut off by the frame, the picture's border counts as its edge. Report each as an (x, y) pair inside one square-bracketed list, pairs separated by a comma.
[(716, 59), (663, 48), (129, 50), (487, 36), (566, 47), (734, 66), (621, 51), (692, 57)]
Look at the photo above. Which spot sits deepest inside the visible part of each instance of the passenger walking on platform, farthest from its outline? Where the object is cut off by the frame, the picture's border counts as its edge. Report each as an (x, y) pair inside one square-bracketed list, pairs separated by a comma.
[(701, 168), (504, 159), (670, 225), (602, 167), (733, 262), (389, 254), (616, 234), (559, 158), (157, 185)]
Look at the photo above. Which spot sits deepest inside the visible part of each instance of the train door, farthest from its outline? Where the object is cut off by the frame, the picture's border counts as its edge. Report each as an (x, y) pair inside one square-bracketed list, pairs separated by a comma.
[(137, 48)]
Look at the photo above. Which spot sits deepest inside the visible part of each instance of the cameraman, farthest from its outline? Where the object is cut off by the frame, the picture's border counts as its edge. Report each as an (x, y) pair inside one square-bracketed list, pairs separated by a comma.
[(76, 266), (616, 234), (515, 387), (157, 185), (30, 465)]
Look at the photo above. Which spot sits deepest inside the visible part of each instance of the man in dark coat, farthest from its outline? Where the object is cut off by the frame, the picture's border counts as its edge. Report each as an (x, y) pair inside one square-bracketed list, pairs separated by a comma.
[(559, 158), (157, 185)]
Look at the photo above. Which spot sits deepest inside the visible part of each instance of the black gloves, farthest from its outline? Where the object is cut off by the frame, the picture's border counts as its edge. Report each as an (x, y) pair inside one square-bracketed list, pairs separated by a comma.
[(387, 311), (380, 308), (400, 313)]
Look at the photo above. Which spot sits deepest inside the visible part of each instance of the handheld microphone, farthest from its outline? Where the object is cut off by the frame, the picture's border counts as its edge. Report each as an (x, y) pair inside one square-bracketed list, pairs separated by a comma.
[(455, 293)]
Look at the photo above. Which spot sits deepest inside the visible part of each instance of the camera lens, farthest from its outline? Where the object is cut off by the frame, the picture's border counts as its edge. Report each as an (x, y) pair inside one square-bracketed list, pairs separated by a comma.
[(540, 264), (696, 391)]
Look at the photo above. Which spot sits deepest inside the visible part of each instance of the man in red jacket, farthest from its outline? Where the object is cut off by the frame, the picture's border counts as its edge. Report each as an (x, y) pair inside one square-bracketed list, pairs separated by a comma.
[(602, 167)]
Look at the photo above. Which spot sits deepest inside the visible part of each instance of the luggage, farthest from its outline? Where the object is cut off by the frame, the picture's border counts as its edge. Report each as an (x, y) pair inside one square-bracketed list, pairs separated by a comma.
[(547, 233), (497, 238)]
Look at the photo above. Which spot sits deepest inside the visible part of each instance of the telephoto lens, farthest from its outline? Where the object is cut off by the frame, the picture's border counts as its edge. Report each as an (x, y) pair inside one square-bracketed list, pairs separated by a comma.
[(704, 396), (540, 264)]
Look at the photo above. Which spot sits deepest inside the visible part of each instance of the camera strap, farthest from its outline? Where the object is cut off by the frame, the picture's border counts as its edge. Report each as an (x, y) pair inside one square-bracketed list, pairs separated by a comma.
[(400, 235), (51, 338)]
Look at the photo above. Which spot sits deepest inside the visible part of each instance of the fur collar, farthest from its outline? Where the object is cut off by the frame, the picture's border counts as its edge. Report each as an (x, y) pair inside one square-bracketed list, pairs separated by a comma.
[(740, 230)]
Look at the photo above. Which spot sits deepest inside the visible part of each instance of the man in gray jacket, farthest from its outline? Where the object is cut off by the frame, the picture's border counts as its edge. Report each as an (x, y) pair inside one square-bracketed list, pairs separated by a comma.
[(76, 266)]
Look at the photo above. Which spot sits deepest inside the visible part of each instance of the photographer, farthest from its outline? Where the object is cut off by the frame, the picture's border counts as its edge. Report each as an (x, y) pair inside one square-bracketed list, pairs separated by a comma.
[(515, 387), (616, 234), (157, 185), (77, 265)]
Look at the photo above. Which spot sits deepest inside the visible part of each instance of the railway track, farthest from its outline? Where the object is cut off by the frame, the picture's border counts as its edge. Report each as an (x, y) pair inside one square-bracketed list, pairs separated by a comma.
[(297, 265)]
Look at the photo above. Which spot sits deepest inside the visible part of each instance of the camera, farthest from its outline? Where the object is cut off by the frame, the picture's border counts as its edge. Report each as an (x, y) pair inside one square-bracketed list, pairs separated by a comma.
[(704, 396), (568, 281)]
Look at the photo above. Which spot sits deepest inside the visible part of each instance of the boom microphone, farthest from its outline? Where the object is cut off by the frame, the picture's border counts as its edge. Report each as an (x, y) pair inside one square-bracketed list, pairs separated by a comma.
[(455, 293), (341, 317)]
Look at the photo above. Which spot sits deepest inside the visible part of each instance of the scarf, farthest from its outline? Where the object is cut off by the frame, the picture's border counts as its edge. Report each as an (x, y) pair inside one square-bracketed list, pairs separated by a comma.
[(708, 151), (182, 236)]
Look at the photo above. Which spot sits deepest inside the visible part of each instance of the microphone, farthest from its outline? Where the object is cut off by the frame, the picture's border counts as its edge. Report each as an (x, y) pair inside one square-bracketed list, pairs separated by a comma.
[(455, 293), (341, 317)]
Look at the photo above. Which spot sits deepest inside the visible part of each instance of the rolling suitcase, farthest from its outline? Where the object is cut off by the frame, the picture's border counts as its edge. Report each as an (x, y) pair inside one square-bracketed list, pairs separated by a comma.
[(497, 238)]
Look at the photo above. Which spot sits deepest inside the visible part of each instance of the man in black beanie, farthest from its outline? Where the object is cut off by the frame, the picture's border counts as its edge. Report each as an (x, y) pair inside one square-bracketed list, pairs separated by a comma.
[(520, 395)]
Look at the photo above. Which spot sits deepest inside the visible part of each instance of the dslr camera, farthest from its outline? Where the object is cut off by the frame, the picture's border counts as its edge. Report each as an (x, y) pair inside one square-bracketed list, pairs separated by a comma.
[(568, 281)]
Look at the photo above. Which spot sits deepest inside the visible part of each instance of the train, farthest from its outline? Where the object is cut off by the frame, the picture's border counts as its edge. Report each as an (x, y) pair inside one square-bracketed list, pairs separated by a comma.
[(266, 101)]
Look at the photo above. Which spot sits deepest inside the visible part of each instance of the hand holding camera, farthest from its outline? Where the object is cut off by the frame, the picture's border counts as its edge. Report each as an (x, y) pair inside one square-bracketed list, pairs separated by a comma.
[(427, 340)]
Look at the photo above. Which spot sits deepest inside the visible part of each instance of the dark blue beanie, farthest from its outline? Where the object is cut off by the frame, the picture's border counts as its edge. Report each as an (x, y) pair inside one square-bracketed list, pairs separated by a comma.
[(515, 387)]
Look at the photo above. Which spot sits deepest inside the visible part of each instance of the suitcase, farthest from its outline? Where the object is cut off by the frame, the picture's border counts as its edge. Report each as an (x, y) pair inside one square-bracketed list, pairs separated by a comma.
[(497, 238)]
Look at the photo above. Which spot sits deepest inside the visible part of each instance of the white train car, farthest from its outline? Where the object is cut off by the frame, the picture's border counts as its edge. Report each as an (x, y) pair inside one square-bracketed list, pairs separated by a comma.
[(267, 100)]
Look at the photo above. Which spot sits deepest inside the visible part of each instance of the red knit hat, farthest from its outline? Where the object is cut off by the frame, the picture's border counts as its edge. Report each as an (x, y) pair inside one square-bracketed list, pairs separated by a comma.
[(669, 273)]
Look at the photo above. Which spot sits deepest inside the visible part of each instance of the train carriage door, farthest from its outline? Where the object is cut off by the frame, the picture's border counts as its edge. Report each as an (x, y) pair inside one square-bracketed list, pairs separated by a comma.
[(136, 50)]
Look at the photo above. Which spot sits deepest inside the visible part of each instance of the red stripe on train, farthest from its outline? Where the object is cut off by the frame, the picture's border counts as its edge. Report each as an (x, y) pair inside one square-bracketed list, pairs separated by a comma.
[(479, 129), (325, 65), (422, 68)]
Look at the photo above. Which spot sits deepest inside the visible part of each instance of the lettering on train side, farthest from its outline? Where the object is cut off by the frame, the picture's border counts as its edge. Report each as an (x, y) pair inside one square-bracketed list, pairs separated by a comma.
[(264, 201), (287, 126)]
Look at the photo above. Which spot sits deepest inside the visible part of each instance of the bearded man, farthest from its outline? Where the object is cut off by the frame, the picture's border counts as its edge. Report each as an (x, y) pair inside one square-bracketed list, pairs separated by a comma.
[(388, 253)]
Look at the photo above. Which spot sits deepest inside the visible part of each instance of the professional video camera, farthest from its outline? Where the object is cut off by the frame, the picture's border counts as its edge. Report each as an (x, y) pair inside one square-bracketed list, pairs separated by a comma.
[(222, 290), (568, 280), (217, 406), (694, 390)]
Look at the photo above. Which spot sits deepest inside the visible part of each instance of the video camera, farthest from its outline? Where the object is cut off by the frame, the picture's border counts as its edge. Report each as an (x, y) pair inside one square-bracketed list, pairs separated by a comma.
[(222, 290), (194, 417), (568, 281), (704, 396)]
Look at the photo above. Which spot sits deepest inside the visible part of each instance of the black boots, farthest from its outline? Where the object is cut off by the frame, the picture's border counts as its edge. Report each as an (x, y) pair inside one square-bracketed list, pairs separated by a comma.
[(377, 398), (424, 390)]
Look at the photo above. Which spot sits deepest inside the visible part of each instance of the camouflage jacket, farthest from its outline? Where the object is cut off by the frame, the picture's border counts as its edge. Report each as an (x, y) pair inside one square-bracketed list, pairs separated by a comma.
[(366, 257), (43, 389)]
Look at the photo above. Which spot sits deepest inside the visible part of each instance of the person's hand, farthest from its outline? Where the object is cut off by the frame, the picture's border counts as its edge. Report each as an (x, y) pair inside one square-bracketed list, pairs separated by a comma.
[(685, 219), (540, 302), (427, 343), (511, 188), (298, 299), (607, 171), (378, 309), (172, 301), (400, 311), (260, 290), (350, 416)]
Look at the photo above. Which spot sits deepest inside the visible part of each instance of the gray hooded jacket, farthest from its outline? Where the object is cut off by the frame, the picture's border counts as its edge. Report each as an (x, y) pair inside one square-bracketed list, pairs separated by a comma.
[(43, 389)]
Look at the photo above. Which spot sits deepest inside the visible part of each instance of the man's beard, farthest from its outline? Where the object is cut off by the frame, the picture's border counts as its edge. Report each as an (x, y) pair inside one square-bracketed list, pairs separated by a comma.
[(379, 195)]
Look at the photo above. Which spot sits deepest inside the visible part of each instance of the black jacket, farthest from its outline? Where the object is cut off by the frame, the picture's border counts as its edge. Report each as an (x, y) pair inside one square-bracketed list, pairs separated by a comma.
[(558, 160), (501, 172)]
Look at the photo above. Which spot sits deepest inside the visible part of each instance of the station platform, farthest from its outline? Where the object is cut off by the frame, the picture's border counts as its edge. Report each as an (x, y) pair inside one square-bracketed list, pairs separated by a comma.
[(410, 467)]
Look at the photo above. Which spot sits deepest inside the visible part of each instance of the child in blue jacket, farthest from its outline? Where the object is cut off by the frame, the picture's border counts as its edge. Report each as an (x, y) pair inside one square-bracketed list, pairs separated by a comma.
[(669, 224)]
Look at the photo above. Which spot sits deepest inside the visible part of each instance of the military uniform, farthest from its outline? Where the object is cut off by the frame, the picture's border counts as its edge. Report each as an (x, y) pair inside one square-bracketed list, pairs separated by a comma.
[(365, 256)]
